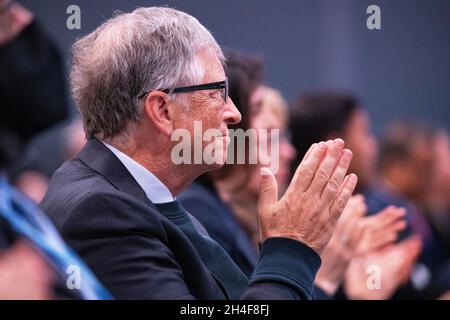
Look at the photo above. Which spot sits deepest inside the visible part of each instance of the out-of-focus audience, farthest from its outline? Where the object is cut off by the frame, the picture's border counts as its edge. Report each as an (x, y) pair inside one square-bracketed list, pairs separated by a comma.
[(33, 98), (318, 116), (30, 174), (356, 243), (273, 114), (436, 201), (322, 116), (32, 86), (411, 155), (30, 181), (397, 224), (24, 274), (33, 258)]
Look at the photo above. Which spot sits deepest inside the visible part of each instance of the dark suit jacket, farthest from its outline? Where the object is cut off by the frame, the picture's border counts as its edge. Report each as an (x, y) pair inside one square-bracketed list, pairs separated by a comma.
[(137, 253), (216, 216)]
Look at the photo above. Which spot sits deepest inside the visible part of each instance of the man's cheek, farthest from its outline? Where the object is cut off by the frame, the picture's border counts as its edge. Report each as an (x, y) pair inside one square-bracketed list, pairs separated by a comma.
[(213, 121)]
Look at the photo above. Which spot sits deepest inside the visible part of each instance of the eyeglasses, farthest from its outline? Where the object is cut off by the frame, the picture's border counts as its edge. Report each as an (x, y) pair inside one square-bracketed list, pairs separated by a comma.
[(206, 86)]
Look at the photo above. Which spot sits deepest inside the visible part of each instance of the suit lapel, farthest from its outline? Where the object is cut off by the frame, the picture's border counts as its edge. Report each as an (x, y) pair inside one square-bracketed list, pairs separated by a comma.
[(99, 158)]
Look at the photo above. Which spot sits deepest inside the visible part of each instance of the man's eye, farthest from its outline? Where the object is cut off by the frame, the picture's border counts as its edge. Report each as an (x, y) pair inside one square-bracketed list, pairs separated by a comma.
[(216, 94)]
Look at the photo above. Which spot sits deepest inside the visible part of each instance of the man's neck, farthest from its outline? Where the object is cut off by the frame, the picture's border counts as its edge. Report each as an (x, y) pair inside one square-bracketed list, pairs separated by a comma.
[(175, 178)]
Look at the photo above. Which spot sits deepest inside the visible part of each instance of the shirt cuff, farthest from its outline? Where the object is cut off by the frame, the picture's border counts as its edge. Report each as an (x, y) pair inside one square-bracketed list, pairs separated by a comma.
[(288, 262)]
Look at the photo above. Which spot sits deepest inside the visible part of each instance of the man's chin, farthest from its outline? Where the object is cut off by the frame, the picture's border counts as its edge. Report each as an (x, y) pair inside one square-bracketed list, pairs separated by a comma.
[(211, 167)]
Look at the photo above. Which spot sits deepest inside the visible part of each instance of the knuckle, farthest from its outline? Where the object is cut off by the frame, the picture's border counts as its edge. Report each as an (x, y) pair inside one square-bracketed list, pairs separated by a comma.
[(318, 154), (338, 206), (324, 221), (306, 173), (308, 204), (333, 185), (322, 175)]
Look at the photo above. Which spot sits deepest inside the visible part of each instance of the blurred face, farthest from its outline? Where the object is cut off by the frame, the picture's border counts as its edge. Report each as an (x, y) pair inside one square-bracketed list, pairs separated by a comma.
[(441, 168), (267, 118), (34, 184), (417, 170), (360, 140), (208, 112), (287, 155)]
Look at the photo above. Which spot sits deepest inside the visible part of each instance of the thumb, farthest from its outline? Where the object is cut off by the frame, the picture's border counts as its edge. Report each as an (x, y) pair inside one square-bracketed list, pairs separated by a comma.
[(268, 191)]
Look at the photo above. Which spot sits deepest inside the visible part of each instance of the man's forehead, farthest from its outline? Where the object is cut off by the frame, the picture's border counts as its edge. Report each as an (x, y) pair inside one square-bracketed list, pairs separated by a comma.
[(212, 65)]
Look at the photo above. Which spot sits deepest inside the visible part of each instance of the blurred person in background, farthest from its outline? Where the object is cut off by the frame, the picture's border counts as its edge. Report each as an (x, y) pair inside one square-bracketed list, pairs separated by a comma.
[(32, 91), (411, 168), (355, 236), (437, 198), (29, 180), (272, 115), (32, 94), (321, 116), (32, 87), (318, 116), (33, 99), (360, 241), (423, 155), (29, 174), (74, 138), (24, 275)]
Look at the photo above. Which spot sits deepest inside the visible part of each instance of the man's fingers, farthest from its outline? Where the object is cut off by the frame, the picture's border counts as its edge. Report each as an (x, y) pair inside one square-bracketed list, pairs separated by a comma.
[(332, 186), (307, 168), (309, 151), (327, 166), (350, 216), (345, 192), (268, 192), (347, 213)]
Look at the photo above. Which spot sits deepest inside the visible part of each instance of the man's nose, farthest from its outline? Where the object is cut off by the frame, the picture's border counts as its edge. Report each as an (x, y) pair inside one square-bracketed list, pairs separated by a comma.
[(231, 114)]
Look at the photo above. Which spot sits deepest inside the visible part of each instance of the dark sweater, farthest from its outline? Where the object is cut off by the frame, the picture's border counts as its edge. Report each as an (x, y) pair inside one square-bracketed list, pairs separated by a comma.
[(220, 223)]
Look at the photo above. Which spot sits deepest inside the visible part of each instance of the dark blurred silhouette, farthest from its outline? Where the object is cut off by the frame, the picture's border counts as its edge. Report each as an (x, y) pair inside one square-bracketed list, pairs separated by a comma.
[(32, 92), (411, 155), (32, 88), (436, 200), (319, 116), (31, 172), (323, 116)]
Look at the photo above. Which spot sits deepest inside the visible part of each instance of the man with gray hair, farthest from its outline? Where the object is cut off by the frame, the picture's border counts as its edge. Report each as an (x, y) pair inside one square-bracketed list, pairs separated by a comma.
[(137, 79)]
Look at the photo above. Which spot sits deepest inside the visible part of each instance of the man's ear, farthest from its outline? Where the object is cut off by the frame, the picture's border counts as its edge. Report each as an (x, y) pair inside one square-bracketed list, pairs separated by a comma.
[(156, 109)]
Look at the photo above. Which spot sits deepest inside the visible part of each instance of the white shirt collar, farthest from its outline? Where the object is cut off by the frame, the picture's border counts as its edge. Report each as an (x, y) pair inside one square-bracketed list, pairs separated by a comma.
[(155, 190)]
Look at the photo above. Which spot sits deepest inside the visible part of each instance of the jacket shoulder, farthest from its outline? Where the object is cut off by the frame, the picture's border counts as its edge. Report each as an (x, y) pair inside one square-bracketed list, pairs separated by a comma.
[(80, 198)]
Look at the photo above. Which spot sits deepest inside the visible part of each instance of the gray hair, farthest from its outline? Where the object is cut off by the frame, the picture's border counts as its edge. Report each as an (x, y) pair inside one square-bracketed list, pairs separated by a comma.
[(132, 53)]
